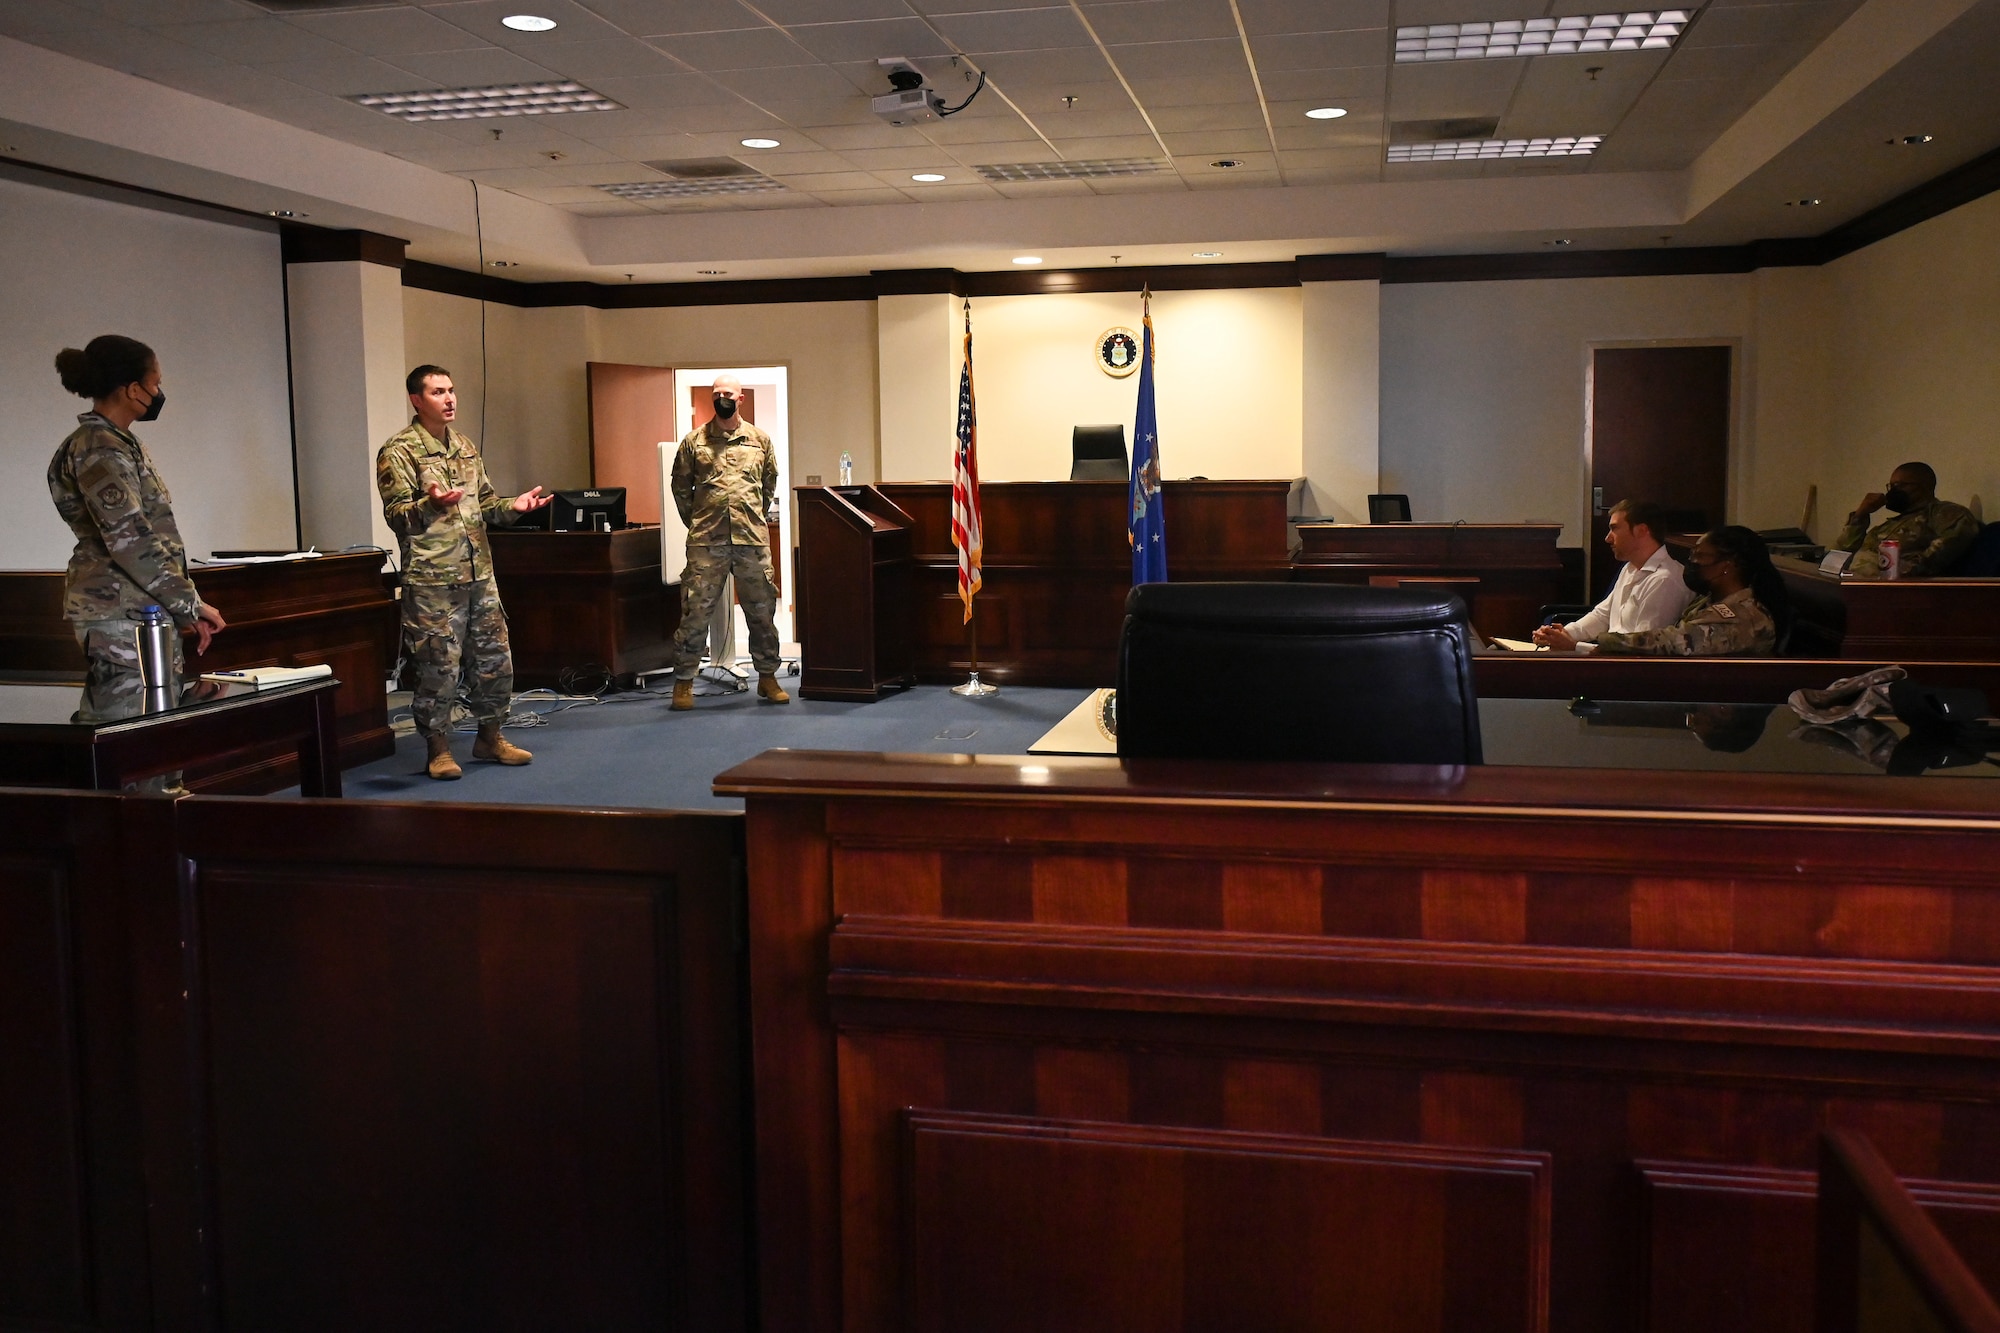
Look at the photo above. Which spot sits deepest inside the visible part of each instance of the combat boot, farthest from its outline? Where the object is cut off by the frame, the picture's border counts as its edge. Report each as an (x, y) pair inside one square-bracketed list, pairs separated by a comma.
[(683, 696), (492, 745), (769, 688), (442, 766)]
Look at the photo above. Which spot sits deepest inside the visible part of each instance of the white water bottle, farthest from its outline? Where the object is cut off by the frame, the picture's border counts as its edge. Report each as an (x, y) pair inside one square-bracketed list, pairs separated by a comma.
[(846, 469)]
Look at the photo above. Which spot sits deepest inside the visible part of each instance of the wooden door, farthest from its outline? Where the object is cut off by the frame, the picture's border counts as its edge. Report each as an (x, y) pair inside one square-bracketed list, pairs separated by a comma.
[(702, 399), (1659, 431), (631, 411)]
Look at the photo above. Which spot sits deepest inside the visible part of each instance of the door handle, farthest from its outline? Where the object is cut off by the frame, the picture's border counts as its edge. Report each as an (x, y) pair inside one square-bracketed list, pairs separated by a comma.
[(1596, 499)]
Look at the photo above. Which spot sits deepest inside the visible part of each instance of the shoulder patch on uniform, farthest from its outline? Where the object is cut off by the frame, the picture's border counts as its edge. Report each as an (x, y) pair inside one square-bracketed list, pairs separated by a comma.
[(1727, 613)]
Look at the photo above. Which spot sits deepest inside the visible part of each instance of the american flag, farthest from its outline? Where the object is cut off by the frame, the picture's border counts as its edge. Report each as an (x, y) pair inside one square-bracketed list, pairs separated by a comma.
[(965, 529)]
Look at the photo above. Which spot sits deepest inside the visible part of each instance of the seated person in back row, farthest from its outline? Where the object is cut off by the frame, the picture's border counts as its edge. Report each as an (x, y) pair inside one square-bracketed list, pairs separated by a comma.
[(1649, 593), (1934, 533), (1739, 609)]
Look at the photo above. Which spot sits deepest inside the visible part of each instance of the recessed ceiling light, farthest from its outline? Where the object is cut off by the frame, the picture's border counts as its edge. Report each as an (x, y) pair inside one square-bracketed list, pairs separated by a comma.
[(1226, 163), (1486, 150), (1326, 113), (285, 213), (527, 23), (711, 272), (1644, 30), (927, 177), (1208, 254), (500, 263), (1027, 259), (1914, 139), (510, 99), (760, 143), (1562, 240), (1802, 203)]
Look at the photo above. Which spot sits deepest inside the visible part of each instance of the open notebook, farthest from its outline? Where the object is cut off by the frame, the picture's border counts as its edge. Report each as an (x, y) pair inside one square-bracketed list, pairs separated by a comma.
[(269, 675)]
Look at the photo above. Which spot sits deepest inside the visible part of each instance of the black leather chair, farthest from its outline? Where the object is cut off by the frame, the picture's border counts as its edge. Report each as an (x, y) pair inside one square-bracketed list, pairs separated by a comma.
[(1340, 674), (1388, 508), (1097, 453)]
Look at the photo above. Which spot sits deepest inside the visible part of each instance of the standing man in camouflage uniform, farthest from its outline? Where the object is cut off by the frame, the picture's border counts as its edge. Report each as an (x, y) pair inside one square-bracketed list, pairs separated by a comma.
[(437, 500), (1934, 533), (128, 553), (1740, 601), (725, 477)]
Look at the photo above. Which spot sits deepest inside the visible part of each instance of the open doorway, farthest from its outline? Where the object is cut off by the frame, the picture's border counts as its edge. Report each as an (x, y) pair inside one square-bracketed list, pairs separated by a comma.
[(765, 406)]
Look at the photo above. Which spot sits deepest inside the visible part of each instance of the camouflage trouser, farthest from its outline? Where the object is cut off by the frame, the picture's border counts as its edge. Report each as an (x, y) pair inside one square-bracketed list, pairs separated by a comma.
[(111, 688), (455, 628), (701, 583)]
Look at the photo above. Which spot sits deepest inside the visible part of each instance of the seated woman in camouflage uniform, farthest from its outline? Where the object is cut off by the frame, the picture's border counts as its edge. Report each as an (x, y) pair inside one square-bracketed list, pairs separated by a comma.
[(1740, 607), (129, 553)]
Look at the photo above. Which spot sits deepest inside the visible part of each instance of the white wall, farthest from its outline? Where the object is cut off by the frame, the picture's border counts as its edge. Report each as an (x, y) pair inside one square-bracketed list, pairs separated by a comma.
[(1342, 406), (1483, 384), (208, 297), (1227, 380)]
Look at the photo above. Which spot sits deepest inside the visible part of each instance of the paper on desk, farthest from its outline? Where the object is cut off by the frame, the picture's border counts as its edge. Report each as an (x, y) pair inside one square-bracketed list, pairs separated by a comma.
[(1518, 645), (270, 675), (262, 559)]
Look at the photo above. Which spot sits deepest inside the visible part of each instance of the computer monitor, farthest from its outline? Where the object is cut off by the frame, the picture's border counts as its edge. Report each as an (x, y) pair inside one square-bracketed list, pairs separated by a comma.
[(599, 509), (1097, 453)]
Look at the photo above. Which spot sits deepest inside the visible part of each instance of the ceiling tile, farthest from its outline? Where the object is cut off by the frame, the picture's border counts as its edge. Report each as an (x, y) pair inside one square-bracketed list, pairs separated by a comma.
[(1200, 165), (1321, 86), (906, 159), (1451, 88), (664, 90), (342, 78), (574, 23), (870, 41), (611, 207), (621, 58), (860, 198), (1345, 133), (1560, 95), (1266, 16), (792, 12), (1240, 179), (1046, 69), (1013, 30), (651, 18), (593, 172), (1223, 116), (1091, 124), (1160, 21), (233, 85), (1006, 150), (1177, 60), (937, 7), (1041, 189), (522, 131), (815, 182), (564, 194), (989, 129), (147, 13), (506, 178), (129, 49), (747, 48), (1117, 145), (1721, 62), (1164, 182), (1366, 161), (791, 83), (953, 173), (253, 41), (1203, 90), (24, 18), (1219, 143), (793, 164), (472, 69), (1323, 50), (941, 194), (872, 134), (382, 32), (1355, 175), (1763, 25), (473, 157)]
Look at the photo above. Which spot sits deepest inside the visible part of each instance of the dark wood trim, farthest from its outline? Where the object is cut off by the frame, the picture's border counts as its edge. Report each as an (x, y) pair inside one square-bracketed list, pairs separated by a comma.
[(1342, 268), (137, 196), (323, 245), (919, 282), (1161, 278), (642, 295)]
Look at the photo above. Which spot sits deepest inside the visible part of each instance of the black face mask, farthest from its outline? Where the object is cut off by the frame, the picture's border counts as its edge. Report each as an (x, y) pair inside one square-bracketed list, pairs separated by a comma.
[(724, 407), (1898, 501), (152, 412), (1696, 581)]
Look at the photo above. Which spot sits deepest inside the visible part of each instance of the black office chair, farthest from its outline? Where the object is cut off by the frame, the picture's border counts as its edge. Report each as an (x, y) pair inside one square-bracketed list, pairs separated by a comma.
[(1982, 559), (1388, 509), (1097, 453), (1350, 674)]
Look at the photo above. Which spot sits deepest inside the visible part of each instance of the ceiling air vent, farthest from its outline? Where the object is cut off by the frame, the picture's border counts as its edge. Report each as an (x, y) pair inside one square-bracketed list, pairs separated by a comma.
[(1443, 131), (694, 177), (1089, 169), (706, 169)]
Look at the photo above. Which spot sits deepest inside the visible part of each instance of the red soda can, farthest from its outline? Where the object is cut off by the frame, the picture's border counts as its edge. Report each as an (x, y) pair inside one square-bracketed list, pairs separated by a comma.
[(1892, 558)]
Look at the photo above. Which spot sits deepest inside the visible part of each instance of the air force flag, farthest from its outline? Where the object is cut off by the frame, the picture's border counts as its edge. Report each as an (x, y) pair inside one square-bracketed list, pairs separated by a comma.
[(1148, 527)]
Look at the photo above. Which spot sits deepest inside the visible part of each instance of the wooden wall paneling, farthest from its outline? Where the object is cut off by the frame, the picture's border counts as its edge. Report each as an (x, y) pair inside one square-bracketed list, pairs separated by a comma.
[(1505, 572), (1017, 1222), (73, 1223), (464, 1068)]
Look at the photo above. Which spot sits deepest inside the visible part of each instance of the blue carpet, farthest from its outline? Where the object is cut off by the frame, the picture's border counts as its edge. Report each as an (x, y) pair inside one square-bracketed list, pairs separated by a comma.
[(630, 751)]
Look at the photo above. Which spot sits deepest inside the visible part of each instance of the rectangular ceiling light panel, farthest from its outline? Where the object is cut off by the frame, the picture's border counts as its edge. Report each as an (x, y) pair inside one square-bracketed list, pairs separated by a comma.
[(1487, 150), (1642, 30), (691, 189), (513, 99), (1088, 169)]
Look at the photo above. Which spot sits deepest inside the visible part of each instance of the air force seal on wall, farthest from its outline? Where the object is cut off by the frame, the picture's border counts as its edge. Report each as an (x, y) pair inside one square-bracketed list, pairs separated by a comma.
[(1118, 352)]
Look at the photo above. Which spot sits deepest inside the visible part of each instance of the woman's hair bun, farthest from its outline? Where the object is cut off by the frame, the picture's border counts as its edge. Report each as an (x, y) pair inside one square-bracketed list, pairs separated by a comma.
[(110, 361)]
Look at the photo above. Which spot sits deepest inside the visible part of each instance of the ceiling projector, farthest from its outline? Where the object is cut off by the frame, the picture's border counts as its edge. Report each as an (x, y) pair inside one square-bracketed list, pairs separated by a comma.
[(911, 102)]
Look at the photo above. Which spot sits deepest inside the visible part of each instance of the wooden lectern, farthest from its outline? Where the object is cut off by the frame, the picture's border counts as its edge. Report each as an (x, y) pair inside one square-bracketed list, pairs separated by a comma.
[(853, 598)]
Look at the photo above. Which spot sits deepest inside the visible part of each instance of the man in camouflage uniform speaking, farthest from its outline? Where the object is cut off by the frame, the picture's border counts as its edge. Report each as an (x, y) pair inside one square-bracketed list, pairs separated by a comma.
[(437, 500), (725, 477)]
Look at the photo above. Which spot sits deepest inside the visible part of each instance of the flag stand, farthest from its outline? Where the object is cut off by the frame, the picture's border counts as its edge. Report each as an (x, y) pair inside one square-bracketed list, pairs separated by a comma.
[(973, 687)]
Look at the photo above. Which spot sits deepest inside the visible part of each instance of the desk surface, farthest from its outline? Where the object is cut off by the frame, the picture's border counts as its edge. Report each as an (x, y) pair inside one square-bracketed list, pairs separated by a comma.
[(51, 709)]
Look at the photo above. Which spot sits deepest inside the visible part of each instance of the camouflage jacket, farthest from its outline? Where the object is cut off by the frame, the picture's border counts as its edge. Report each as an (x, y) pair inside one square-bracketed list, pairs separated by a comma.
[(128, 548), (439, 545), (724, 482), (1933, 538), (1736, 626)]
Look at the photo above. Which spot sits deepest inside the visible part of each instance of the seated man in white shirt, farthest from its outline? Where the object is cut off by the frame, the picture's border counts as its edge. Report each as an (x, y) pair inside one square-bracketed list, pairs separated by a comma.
[(1649, 593)]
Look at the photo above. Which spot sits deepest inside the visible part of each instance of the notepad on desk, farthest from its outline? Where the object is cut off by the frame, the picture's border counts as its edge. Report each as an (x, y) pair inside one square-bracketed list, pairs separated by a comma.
[(267, 676), (1518, 645)]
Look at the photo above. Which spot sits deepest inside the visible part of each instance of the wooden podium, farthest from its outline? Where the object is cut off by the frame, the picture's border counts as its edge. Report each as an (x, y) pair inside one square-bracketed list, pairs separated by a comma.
[(1506, 572), (853, 598), (577, 599)]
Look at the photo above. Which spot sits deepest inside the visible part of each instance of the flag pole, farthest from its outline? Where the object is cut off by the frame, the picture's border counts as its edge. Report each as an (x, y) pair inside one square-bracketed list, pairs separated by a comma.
[(968, 532)]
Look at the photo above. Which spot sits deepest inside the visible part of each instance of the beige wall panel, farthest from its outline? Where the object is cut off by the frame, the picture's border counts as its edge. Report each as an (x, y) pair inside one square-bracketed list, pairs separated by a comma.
[(922, 338), (1916, 362), (1788, 359), (1342, 415), (1483, 384)]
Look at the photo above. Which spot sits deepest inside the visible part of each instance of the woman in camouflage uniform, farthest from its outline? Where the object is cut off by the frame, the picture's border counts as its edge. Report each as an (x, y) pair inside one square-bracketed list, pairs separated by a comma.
[(1740, 608), (128, 553)]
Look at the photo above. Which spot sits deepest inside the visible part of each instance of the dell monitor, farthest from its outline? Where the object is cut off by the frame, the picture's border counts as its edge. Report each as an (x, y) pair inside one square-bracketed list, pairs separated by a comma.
[(1097, 453), (600, 509)]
